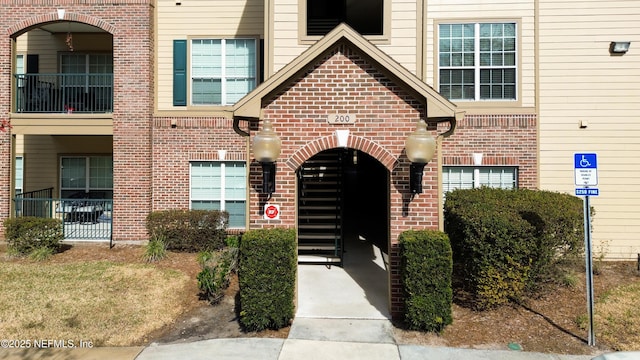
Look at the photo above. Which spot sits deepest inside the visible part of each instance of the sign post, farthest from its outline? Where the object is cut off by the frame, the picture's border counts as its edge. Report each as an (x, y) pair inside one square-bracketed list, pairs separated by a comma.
[(586, 174)]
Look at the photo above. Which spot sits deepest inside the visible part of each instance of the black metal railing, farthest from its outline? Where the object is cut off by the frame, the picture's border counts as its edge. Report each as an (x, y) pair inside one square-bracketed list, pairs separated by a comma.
[(64, 93), (25, 206), (82, 219)]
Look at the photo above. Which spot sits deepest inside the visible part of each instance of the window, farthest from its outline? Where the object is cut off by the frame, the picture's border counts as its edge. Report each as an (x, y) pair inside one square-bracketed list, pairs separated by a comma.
[(467, 177), (86, 176), (88, 80), (477, 61), (20, 70), (222, 70), (19, 176), (364, 16), (217, 185)]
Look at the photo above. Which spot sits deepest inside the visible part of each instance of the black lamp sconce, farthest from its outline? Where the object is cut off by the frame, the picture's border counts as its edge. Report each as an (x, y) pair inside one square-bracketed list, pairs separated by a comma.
[(266, 149), (420, 147)]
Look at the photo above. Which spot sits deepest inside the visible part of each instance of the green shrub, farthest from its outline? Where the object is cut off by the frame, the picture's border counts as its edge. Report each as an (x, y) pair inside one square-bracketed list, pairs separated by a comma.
[(26, 234), (189, 230), (155, 250), (40, 254), (426, 267), (214, 278), (267, 275), (217, 267), (507, 243)]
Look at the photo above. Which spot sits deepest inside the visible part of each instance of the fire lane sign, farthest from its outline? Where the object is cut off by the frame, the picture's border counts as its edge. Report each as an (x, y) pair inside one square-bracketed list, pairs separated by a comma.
[(271, 212)]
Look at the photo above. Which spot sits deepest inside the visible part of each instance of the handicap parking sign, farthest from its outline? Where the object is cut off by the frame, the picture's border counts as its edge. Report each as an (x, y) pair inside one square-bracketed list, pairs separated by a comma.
[(586, 169)]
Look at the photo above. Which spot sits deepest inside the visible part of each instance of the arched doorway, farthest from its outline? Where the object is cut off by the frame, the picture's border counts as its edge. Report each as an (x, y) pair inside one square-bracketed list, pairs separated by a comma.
[(343, 220)]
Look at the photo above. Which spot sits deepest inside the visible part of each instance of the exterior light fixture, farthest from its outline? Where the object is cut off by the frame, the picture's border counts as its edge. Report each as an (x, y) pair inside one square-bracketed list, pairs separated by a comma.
[(420, 147), (619, 47), (266, 149)]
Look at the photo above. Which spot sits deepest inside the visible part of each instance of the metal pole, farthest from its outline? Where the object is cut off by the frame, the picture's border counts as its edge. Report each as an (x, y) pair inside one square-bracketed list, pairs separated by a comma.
[(589, 268)]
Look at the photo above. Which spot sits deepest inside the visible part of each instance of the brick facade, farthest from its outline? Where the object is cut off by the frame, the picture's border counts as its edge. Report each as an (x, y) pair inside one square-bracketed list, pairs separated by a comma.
[(344, 82), (504, 140), (179, 140), (130, 22)]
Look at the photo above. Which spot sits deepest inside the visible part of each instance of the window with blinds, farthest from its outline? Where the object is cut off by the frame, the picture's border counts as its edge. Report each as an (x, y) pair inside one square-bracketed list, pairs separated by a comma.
[(468, 177), (220, 185), (222, 70), (477, 61)]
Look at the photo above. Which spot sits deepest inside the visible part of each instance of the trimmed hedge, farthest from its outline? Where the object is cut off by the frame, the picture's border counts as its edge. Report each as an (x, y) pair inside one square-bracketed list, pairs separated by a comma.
[(509, 242), (26, 234), (189, 230), (267, 275), (426, 266)]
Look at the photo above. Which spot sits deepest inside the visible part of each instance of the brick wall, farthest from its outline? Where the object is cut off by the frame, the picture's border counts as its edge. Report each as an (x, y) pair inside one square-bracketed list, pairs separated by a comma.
[(509, 140), (189, 139), (130, 22), (343, 82)]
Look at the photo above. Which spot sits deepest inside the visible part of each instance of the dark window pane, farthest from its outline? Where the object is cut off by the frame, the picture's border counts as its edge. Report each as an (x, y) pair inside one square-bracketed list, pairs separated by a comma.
[(510, 76), (456, 76), (468, 77), (445, 60)]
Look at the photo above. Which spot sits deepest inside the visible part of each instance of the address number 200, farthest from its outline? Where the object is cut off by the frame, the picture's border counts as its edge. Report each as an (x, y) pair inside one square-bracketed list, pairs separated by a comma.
[(341, 119)]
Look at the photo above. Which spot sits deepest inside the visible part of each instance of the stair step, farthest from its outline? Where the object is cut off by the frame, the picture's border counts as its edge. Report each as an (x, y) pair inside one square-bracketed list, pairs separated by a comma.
[(314, 247), (318, 259), (319, 226)]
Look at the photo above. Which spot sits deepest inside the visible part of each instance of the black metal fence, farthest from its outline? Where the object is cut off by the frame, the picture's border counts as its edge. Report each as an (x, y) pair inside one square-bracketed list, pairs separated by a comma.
[(64, 93), (82, 219)]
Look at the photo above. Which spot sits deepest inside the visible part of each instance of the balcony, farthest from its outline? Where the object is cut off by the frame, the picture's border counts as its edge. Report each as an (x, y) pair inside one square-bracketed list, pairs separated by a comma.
[(64, 93)]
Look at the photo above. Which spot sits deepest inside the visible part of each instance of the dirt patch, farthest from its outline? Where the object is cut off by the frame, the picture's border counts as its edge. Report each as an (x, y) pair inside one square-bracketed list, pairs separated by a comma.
[(548, 324)]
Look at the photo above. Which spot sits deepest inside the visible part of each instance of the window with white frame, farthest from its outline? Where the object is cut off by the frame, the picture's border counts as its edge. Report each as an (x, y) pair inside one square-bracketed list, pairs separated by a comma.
[(19, 175), (220, 185), (20, 70), (477, 61), (222, 70), (470, 177), (86, 176)]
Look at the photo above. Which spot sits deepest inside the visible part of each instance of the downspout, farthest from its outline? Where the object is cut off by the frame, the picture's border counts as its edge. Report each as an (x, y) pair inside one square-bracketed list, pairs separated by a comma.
[(452, 127), (236, 127)]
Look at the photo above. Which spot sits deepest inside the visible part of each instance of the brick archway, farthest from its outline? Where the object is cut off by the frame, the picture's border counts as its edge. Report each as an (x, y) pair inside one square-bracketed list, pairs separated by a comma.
[(354, 142), (26, 24)]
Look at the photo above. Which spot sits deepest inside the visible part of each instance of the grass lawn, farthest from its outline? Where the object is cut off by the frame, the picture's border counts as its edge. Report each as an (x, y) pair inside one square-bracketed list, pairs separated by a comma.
[(617, 317), (107, 303)]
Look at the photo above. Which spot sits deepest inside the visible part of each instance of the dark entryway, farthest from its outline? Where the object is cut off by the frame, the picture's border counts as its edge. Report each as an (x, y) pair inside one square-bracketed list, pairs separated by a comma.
[(343, 199)]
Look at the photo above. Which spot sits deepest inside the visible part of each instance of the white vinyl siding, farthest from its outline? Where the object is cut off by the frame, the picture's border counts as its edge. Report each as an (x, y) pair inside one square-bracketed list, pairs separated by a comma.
[(222, 70), (478, 61), (217, 185)]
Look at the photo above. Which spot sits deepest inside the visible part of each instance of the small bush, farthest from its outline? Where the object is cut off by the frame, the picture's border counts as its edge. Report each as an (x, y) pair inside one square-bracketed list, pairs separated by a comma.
[(155, 250), (217, 267), (267, 274), (189, 230), (426, 267), (26, 234), (40, 254)]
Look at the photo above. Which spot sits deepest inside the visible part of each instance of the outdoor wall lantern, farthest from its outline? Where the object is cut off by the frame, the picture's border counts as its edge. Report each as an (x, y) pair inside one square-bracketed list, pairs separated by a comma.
[(420, 147), (619, 47), (266, 149)]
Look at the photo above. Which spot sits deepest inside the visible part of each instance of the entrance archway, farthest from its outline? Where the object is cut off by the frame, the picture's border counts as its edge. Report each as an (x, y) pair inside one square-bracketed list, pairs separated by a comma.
[(343, 220)]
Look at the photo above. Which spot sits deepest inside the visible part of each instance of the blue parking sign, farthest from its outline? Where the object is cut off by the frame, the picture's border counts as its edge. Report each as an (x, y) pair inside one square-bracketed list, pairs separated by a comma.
[(585, 161), (585, 169)]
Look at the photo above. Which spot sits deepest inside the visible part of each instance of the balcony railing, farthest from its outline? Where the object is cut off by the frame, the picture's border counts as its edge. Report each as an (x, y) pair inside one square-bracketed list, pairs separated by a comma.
[(64, 93)]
